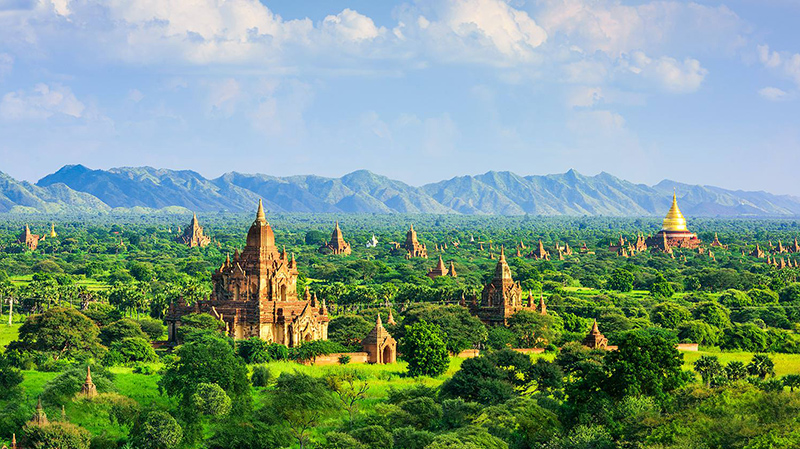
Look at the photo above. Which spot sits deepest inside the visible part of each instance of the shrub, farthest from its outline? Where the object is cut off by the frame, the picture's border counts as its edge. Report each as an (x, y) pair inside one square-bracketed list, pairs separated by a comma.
[(152, 327), (143, 368), (56, 435), (156, 430), (121, 329), (261, 376), (102, 314), (344, 359), (210, 399), (253, 350), (65, 386), (373, 437), (131, 350)]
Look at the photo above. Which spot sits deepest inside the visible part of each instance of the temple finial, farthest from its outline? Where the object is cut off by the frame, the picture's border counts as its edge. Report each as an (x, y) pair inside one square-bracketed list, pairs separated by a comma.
[(260, 214)]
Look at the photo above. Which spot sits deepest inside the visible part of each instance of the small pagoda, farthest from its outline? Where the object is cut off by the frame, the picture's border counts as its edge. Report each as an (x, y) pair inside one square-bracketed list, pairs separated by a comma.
[(379, 344), (89, 389), (595, 340), (30, 240)]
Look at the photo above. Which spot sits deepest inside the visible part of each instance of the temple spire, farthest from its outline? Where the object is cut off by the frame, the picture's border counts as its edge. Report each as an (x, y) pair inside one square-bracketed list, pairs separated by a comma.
[(260, 217)]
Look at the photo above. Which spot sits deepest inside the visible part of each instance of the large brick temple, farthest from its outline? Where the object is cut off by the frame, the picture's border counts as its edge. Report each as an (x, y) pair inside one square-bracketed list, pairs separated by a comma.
[(501, 298), (255, 294)]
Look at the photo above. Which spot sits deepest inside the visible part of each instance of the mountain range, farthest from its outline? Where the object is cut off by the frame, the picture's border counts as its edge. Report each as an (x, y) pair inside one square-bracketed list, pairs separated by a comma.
[(76, 188)]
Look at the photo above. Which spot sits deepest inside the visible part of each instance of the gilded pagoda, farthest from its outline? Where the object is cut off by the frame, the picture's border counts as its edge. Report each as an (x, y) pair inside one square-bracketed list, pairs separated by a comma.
[(673, 233)]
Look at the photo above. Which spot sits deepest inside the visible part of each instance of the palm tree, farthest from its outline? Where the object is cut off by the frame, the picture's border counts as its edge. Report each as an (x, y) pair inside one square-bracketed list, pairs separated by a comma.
[(761, 366), (792, 381), (735, 370), (707, 366)]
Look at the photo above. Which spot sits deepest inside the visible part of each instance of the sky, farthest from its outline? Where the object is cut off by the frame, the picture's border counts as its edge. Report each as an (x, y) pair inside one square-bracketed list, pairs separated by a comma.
[(704, 92)]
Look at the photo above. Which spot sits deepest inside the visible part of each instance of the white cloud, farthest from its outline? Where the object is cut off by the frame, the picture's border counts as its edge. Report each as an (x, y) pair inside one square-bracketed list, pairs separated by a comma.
[(42, 102), (773, 94), (486, 31), (349, 25), (657, 26), (784, 63), (667, 73)]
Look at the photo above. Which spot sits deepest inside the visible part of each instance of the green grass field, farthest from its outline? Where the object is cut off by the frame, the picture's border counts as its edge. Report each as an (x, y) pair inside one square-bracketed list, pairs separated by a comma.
[(90, 284), (8, 333)]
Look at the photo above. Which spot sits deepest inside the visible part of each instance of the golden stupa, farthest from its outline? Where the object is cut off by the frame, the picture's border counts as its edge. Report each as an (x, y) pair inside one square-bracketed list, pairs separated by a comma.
[(674, 221), (673, 233)]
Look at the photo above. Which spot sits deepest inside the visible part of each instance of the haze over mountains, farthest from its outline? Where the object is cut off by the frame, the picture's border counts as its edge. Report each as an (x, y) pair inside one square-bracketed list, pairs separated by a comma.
[(76, 188)]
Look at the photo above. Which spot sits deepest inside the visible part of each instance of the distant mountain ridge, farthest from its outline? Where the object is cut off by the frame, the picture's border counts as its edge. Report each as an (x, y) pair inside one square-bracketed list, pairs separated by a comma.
[(76, 188)]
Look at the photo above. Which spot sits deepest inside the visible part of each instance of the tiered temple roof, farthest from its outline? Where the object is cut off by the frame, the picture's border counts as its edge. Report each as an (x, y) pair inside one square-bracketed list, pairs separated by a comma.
[(193, 234), (412, 245), (30, 240), (501, 298), (336, 245), (595, 339), (255, 294)]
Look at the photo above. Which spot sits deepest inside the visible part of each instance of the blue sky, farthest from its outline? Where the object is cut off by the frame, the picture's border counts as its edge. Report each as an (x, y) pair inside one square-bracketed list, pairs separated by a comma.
[(701, 92)]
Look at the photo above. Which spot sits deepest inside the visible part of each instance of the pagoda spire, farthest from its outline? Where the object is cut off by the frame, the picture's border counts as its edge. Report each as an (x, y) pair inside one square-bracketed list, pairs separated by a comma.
[(260, 217)]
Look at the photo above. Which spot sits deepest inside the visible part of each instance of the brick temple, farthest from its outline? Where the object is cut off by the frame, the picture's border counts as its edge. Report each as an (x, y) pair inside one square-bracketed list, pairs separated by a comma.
[(337, 245), (501, 298), (193, 235), (255, 295)]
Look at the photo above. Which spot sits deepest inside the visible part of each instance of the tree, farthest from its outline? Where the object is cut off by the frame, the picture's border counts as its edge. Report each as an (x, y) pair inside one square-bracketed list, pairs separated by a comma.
[(424, 349), (156, 429), (661, 289), (131, 350), (199, 322), (350, 388), (761, 366), (735, 370), (792, 381), (645, 363), (708, 366), (302, 402), (744, 337), (56, 435), (119, 330), (253, 350), (61, 332), (699, 332), (207, 360), (489, 379), (713, 313), (533, 330), (349, 330), (460, 330), (101, 313), (669, 315), (620, 280), (211, 400)]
